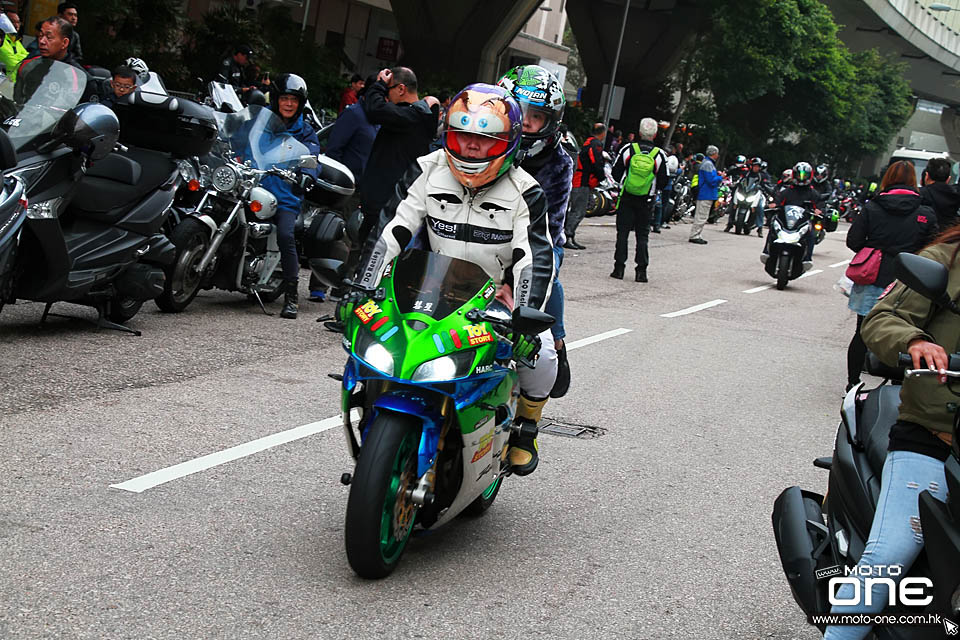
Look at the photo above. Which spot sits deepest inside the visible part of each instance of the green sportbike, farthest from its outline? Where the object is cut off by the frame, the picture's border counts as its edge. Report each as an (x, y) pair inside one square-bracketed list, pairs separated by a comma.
[(435, 388)]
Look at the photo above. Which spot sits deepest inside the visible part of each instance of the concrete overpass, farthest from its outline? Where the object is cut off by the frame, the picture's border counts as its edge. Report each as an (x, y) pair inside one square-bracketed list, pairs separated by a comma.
[(928, 42)]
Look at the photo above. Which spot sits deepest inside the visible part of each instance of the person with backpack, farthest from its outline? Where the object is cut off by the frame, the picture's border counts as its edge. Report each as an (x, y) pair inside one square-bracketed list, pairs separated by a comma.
[(641, 169), (588, 173)]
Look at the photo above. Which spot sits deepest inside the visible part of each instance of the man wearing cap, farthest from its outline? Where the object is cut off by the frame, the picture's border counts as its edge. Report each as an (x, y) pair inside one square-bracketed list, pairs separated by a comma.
[(232, 69)]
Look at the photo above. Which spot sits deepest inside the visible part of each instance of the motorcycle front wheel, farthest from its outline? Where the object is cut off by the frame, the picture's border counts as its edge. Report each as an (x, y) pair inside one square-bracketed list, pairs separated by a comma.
[(783, 271), (380, 512), (123, 309), (191, 238)]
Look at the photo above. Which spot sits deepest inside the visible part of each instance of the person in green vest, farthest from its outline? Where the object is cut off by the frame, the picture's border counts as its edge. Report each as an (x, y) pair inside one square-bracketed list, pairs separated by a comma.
[(12, 51), (641, 169)]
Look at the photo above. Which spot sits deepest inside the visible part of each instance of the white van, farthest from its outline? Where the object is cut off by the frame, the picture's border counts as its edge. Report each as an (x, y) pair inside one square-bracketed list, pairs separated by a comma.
[(919, 158)]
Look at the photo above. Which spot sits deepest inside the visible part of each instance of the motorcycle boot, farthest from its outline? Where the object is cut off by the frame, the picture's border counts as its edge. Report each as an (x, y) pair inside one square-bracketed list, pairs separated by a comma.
[(523, 455), (617, 271), (641, 274), (290, 300)]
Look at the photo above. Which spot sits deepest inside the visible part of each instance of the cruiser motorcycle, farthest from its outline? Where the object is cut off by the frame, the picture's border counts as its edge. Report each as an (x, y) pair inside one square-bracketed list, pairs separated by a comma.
[(435, 393)]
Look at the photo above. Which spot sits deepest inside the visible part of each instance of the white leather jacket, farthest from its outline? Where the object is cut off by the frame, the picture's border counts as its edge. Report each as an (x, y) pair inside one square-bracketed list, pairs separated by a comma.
[(503, 228)]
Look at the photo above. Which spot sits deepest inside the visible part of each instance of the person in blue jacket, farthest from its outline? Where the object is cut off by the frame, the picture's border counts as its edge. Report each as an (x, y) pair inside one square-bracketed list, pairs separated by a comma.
[(709, 183), (287, 99)]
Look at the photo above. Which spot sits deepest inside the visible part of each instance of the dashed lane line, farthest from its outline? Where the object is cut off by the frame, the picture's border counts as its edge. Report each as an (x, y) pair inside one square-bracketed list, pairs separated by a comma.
[(840, 264), (189, 467), (811, 273), (758, 289), (693, 309)]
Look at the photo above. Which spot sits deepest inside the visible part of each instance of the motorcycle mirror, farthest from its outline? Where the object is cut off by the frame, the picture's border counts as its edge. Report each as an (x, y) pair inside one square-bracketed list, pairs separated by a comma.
[(309, 162), (925, 276), (530, 321)]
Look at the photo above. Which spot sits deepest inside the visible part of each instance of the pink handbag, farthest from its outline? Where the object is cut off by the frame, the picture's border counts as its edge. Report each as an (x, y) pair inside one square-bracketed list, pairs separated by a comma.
[(865, 266)]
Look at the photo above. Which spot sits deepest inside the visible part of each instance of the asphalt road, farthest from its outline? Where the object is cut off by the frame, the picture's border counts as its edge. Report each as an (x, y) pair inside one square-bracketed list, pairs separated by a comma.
[(658, 529)]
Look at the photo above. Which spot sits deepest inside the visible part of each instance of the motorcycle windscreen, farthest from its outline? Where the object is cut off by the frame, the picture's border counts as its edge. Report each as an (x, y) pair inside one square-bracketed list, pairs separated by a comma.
[(259, 136), (793, 216), (31, 108), (433, 284)]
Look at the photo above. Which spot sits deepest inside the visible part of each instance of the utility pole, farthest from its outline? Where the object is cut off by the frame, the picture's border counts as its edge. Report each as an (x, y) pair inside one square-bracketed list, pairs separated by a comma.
[(613, 72)]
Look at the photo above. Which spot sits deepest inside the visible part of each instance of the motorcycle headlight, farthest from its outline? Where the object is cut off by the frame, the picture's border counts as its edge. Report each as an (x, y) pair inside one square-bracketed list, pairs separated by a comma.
[(225, 178), (456, 365), (740, 197), (373, 353), (187, 172)]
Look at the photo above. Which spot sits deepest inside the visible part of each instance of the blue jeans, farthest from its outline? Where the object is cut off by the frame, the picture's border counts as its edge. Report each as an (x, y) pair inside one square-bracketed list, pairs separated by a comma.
[(657, 213), (289, 262), (555, 303), (895, 536), (760, 218)]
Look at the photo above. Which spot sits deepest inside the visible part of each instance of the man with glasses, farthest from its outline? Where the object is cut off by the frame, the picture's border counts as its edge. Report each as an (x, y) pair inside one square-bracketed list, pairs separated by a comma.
[(407, 126)]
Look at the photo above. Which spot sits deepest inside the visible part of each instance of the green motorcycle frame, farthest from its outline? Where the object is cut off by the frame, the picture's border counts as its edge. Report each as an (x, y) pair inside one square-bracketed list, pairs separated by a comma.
[(436, 393)]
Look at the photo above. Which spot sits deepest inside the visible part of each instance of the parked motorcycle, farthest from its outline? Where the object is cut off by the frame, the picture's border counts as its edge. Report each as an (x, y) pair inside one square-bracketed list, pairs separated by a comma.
[(436, 394), (817, 536), (92, 233), (227, 241), (13, 213), (790, 225), (604, 197)]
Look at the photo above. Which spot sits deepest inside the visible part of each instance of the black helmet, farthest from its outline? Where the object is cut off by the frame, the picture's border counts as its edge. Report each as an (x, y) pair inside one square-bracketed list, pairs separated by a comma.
[(90, 129), (288, 84), (756, 162), (802, 172), (820, 173)]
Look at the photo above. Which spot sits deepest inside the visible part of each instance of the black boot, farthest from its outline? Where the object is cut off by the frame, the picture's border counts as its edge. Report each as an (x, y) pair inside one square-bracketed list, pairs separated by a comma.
[(617, 272), (641, 275), (290, 300)]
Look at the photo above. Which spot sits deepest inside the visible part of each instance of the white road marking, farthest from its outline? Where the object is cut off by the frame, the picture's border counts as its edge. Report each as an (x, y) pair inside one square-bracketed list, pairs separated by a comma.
[(177, 471), (840, 264), (758, 289), (582, 342), (142, 483), (811, 273), (694, 309)]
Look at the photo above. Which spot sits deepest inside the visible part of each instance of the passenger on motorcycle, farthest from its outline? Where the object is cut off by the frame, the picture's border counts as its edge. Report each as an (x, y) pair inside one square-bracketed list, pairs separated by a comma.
[(287, 100), (797, 192), (903, 321), (822, 184), (542, 102), (473, 178)]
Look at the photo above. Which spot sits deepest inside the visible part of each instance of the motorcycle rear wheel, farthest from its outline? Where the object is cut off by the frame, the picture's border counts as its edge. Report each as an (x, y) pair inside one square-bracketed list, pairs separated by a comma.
[(123, 309), (380, 513), (485, 500), (783, 271)]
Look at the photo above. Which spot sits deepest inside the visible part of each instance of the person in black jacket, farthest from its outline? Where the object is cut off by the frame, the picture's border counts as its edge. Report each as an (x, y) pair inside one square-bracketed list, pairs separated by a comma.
[(938, 194), (638, 195), (233, 69), (587, 174), (407, 126), (893, 221)]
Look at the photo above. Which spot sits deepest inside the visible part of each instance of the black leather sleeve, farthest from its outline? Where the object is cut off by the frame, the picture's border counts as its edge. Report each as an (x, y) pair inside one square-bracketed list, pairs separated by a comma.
[(532, 284)]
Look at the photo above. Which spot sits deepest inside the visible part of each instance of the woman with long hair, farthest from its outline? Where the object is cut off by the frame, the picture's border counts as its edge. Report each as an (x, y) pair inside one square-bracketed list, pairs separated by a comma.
[(894, 221)]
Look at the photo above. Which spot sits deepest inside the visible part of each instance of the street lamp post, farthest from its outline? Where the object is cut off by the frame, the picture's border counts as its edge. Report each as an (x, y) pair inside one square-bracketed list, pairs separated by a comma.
[(613, 73)]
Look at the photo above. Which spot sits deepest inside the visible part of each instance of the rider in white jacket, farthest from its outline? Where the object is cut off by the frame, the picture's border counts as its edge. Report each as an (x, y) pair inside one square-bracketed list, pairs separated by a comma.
[(474, 204)]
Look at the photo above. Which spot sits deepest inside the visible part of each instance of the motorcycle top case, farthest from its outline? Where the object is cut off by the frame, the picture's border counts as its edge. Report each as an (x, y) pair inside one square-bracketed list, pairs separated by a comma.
[(334, 184), (165, 123)]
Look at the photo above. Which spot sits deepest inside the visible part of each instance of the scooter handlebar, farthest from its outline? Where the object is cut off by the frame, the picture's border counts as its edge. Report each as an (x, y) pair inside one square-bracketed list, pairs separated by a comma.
[(905, 361)]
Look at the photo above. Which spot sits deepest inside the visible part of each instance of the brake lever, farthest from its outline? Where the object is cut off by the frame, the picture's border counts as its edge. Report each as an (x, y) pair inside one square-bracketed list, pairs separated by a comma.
[(378, 294)]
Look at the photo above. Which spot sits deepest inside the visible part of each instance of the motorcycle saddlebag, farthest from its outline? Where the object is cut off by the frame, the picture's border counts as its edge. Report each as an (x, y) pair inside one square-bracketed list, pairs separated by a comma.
[(334, 184), (325, 228), (803, 542), (165, 123)]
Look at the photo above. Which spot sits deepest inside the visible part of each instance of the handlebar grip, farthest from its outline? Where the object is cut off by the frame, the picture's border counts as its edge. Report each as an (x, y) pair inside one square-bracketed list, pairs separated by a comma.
[(904, 361)]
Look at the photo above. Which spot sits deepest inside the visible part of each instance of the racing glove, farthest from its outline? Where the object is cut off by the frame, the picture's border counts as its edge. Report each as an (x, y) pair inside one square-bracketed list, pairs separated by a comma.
[(526, 348)]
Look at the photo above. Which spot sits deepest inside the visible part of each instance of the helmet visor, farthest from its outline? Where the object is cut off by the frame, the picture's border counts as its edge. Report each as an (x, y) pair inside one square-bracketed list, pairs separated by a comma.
[(470, 145)]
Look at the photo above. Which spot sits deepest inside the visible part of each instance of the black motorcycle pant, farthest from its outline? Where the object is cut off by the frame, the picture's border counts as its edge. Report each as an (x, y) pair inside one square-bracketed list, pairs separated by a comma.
[(289, 262), (633, 214)]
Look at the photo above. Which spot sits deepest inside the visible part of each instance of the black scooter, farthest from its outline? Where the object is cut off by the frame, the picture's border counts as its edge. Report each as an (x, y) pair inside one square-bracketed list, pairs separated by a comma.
[(818, 536), (92, 231)]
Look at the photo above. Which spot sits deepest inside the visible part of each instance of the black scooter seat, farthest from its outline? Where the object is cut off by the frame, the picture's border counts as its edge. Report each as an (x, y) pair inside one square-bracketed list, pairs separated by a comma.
[(880, 411), (115, 184)]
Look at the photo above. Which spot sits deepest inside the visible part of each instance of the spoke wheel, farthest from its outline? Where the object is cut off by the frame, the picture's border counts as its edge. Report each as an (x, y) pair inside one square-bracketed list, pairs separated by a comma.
[(380, 513), (191, 238)]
